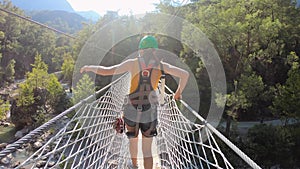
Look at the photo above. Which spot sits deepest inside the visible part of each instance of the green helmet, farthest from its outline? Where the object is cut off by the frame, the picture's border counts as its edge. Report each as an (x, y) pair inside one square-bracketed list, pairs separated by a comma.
[(148, 42)]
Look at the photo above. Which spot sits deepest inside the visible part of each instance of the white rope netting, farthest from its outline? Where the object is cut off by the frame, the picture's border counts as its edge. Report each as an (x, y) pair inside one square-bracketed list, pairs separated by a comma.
[(184, 144), (89, 139)]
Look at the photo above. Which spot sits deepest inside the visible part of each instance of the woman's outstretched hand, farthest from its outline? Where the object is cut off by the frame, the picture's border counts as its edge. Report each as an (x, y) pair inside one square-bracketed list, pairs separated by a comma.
[(177, 96), (83, 69)]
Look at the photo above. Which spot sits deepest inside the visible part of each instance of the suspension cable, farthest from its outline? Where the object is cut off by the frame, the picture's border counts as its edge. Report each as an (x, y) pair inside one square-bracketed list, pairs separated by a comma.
[(35, 22)]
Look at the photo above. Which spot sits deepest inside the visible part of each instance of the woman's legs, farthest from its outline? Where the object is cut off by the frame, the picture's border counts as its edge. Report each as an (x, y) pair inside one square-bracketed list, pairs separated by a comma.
[(133, 146), (147, 139), (147, 152), (146, 149)]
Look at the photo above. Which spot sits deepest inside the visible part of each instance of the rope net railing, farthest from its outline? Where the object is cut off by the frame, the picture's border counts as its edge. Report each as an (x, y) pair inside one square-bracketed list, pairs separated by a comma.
[(184, 144), (89, 140)]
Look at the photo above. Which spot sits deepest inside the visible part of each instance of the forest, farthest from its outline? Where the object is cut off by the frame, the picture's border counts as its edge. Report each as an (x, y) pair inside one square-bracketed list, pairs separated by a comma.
[(258, 42)]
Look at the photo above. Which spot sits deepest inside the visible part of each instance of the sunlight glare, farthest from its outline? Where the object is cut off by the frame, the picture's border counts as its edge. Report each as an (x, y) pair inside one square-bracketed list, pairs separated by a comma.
[(124, 7)]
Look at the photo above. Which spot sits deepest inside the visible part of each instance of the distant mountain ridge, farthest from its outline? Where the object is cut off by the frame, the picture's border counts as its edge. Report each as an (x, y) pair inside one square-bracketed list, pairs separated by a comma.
[(90, 15), (64, 21), (38, 5), (53, 5), (58, 14)]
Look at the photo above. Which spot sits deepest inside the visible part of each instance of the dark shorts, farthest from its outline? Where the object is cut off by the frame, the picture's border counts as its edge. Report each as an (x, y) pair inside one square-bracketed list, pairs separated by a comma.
[(146, 119)]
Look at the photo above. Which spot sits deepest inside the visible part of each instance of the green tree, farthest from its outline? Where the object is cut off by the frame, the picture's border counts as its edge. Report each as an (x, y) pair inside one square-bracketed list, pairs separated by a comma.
[(38, 77), (250, 92), (62, 46), (1, 72), (22, 40), (25, 96), (68, 68), (1, 69), (58, 56), (270, 145), (286, 103), (236, 101), (36, 40), (32, 95), (4, 108), (40, 95), (56, 98), (82, 37), (83, 89), (251, 37), (10, 28), (10, 71)]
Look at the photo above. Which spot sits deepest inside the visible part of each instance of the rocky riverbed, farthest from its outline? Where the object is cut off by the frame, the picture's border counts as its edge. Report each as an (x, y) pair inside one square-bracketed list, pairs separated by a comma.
[(7, 132), (8, 135)]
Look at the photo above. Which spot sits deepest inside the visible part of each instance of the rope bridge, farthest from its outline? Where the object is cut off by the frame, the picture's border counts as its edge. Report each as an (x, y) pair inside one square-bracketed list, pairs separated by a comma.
[(89, 140)]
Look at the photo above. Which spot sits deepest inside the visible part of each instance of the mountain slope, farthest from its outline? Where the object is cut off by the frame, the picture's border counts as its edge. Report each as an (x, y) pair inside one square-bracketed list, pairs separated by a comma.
[(61, 20), (53, 5), (90, 15), (56, 13), (31, 5)]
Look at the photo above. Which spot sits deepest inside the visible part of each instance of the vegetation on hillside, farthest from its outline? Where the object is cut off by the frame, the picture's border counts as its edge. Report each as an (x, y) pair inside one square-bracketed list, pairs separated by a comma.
[(258, 42)]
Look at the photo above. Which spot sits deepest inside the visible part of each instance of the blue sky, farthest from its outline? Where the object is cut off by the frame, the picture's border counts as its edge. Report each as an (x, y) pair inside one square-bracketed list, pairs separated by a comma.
[(124, 7)]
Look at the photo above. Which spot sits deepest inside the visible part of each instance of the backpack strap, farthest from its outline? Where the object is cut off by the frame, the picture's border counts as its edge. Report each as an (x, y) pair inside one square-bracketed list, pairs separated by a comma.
[(162, 87)]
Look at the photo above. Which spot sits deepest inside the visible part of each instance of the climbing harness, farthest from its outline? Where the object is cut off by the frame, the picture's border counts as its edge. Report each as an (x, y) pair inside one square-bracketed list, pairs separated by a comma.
[(144, 99)]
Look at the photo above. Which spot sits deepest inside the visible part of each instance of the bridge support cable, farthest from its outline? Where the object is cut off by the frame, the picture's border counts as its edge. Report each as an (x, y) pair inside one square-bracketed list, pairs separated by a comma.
[(37, 23), (89, 139)]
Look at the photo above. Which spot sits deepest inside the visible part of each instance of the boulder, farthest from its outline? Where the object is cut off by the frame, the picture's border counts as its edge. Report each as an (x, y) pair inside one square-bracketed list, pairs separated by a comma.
[(6, 124), (19, 134), (41, 164), (3, 146), (37, 145), (15, 164), (5, 161)]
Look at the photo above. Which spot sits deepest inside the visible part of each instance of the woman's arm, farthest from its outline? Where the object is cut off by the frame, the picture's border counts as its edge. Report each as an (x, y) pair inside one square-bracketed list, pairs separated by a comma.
[(183, 76), (109, 70)]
